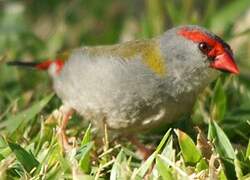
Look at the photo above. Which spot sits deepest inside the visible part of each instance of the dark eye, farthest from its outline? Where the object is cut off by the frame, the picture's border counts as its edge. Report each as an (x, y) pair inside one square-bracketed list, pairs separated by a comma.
[(204, 47)]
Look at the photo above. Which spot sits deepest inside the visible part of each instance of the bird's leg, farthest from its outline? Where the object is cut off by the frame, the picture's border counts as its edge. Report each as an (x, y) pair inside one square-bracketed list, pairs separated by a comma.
[(144, 151), (66, 116)]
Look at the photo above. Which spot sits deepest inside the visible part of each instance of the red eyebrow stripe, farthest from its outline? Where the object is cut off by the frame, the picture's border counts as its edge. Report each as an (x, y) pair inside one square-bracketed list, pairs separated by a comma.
[(198, 36)]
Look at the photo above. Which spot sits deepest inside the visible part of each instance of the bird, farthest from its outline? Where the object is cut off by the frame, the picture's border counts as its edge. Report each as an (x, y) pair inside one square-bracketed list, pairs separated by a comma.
[(138, 85)]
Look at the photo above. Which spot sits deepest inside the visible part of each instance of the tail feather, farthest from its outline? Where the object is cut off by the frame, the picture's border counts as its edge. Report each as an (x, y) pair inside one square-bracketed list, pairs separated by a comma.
[(23, 64), (39, 65)]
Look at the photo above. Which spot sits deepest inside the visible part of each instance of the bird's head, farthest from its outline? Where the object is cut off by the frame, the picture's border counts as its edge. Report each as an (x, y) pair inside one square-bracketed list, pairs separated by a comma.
[(193, 46), (218, 53)]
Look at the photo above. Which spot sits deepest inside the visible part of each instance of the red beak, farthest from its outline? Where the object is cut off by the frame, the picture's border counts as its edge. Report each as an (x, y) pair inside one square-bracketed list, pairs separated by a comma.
[(225, 62)]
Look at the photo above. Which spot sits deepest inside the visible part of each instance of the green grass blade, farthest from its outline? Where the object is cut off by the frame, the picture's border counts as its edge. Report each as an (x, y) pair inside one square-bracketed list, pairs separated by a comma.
[(218, 104), (223, 147), (238, 170), (1, 157), (163, 141), (25, 158), (116, 170), (84, 154), (248, 150), (189, 151), (141, 172), (174, 166), (163, 169), (14, 121), (87, 136), (222, 143), (223, 18), (201, 165), (168, 151), (148, 163)]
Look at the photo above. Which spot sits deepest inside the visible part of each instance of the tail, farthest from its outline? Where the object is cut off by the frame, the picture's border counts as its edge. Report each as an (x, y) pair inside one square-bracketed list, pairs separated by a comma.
[(38, 65), (23, 64)]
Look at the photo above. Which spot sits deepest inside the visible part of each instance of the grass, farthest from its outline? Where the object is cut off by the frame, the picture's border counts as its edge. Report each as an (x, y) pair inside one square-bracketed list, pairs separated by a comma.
[(219, 146)]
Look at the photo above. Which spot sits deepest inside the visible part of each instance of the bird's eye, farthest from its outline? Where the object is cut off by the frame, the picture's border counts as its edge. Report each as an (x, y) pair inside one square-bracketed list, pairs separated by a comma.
[(204, 48)]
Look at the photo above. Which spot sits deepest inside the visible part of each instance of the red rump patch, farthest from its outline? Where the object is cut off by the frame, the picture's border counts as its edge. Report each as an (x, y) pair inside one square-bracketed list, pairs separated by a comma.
[(59, 65), (46, 64)]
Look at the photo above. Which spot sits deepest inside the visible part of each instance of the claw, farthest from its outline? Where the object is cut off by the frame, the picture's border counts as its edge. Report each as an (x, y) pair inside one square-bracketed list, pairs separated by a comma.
[(144, 151), (63, 115)]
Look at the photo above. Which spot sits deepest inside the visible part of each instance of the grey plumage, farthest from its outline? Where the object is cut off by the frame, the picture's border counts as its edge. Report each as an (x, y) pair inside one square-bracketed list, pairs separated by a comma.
[(109, 84)]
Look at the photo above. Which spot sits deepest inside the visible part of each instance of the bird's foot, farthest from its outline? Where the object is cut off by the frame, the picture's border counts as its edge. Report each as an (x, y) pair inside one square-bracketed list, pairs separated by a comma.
[(63, 115), (143, 150)]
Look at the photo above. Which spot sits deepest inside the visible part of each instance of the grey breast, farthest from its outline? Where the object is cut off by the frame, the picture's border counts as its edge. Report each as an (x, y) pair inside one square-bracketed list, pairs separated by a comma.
[(125, 94)]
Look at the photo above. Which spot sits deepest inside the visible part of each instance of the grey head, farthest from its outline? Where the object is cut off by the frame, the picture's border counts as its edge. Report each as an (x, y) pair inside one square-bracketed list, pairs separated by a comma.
[(194, 56)]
